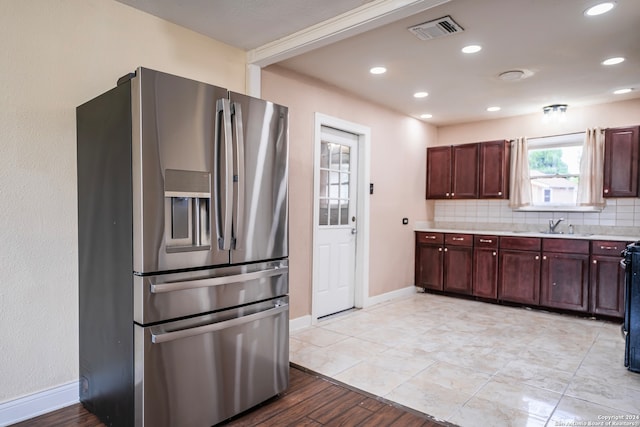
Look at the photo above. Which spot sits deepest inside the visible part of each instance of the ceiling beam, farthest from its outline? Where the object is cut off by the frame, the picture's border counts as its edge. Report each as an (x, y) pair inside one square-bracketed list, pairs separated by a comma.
[(366, 17)]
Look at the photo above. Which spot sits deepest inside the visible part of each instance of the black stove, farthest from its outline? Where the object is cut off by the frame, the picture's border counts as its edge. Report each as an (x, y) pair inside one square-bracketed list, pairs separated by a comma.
[(631, 326)]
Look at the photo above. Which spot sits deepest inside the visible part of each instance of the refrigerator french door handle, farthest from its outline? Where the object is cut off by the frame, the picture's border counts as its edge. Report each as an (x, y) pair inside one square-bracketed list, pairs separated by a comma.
[(239, 177), (224, 184), (216, 281), (213, 327)]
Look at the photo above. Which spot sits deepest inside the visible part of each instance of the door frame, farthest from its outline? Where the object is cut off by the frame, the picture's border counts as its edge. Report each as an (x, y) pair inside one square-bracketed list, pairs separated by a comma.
[(361, 288)]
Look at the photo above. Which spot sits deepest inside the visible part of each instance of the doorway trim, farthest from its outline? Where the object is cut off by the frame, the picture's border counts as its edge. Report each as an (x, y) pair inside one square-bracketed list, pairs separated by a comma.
[(362, 224)]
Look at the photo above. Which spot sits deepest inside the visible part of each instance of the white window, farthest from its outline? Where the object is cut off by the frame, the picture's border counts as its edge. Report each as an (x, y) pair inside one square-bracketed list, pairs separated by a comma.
[(554, 169)]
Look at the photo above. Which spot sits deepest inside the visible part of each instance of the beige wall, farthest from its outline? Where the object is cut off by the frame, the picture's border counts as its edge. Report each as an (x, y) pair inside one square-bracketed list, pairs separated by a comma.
[(54, 56), (398, 146), (616, 114)]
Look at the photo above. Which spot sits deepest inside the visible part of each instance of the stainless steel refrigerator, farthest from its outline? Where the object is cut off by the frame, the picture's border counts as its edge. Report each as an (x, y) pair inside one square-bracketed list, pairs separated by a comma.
[(183, 252)]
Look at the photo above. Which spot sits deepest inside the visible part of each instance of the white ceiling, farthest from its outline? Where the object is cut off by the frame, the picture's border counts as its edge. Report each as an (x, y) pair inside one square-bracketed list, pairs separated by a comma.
[(552, 39)]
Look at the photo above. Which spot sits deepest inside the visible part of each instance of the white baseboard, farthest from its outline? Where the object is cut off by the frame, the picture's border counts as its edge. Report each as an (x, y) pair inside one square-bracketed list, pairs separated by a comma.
[(299, 323), (400, 293), (39, 403)]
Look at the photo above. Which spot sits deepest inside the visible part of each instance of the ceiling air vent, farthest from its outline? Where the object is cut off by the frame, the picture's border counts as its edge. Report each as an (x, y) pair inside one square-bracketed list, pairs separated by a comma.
[(437, 28)]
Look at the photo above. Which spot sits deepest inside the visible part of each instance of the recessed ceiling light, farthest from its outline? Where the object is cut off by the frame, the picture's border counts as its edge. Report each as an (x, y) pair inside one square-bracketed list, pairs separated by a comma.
[(600, 8), (613, 61), (420, 95), (621, 91), (473, 48), (493, 109), (426, 116), (378, 70)]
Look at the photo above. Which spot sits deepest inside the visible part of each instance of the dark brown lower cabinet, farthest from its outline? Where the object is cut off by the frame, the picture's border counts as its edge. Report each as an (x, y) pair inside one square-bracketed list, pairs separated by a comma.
[(607, 286), (429, 260), (519, 273), (565, 274), (485, 266), (564, 281), (519, 277), (568, 274), (458, 263), (607, 279)]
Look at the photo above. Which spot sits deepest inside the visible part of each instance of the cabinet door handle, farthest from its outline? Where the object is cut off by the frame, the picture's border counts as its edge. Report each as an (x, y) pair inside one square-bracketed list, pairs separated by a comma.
[(458, 238), (486, 241), (430, 237), (609, 248)]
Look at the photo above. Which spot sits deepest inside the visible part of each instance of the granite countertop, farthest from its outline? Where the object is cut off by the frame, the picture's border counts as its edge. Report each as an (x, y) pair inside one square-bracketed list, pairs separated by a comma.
[(516, 233)]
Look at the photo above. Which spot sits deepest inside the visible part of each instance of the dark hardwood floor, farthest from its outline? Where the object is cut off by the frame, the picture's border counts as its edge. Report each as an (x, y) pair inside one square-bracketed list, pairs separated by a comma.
[(311, 400)]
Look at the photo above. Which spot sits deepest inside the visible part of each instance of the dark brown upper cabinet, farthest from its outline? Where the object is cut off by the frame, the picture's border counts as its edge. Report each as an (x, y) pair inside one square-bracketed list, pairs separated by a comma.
[(452, 172), (621, 156), (493, 175), (469, 171), (439, 173)]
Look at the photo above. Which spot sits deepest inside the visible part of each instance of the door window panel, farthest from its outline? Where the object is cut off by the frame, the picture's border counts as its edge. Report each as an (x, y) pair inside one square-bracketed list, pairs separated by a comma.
[(335, 176)]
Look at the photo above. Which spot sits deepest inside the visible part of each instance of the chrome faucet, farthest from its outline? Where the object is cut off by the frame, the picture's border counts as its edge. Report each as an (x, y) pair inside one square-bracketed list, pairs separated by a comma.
[(554, 225)]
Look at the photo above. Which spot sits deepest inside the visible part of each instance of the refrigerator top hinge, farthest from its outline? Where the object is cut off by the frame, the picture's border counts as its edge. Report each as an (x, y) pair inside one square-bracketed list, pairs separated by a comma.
[(126, 78)]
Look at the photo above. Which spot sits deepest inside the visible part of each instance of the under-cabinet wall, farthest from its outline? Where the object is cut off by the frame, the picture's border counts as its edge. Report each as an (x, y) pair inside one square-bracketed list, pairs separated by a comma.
[(618, 212)]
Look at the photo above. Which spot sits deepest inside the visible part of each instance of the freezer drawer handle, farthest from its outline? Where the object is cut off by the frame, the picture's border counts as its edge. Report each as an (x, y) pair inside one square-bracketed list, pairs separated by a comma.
[(216, 281), (213, 327)]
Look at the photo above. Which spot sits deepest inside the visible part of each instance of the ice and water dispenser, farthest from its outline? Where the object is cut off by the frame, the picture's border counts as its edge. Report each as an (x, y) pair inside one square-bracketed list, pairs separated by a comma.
[(187, 196)]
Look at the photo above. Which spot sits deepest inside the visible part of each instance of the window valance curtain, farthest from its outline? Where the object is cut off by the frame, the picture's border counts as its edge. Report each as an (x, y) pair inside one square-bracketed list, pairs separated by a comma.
[(520, 185), (592, 169)]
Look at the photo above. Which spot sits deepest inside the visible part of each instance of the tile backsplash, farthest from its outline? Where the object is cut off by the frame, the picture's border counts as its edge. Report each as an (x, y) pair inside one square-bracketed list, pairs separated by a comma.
[(620, 216)]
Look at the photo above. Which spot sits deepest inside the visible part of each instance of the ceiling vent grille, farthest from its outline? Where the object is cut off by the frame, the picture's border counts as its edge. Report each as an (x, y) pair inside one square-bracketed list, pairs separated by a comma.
[(437, 28)]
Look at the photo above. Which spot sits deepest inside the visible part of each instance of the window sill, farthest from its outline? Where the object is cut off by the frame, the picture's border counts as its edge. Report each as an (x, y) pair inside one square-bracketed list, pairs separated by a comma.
[(558, 209)]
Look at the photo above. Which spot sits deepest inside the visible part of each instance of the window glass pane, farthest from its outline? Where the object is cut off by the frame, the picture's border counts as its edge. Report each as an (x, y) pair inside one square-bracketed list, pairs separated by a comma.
[(334, 211), (335, 185), (344, 212), (555, 161), (324, 155), (554, 173), (335, 157), (324, 183), (344, 185), (344, 158), (323, 215)]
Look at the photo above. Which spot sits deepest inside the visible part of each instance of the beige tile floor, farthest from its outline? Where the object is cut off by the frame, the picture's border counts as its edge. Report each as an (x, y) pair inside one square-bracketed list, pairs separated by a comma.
[(477, 364)]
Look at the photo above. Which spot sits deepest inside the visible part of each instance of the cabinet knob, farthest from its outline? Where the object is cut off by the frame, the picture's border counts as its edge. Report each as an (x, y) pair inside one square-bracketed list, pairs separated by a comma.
[(445, 249), (537, 257), (439, 249), (499, 193), (452, 194), (595, 261), (606, 190), (544, 257), (494, 254), (447, 194)]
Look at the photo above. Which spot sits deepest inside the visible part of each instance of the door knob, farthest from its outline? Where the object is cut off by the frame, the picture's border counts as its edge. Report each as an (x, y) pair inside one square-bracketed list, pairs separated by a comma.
[(353, 231)]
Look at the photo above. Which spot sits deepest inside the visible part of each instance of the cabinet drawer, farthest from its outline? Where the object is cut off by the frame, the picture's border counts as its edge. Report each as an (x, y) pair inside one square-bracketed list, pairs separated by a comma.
[(459, 239), (520, 243), (566, 246), (436, 238), (607, 247), (489, 242)]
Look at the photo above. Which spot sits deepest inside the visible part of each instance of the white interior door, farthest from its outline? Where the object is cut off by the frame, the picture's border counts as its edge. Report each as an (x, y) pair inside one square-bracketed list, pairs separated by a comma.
[(335, 247)]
